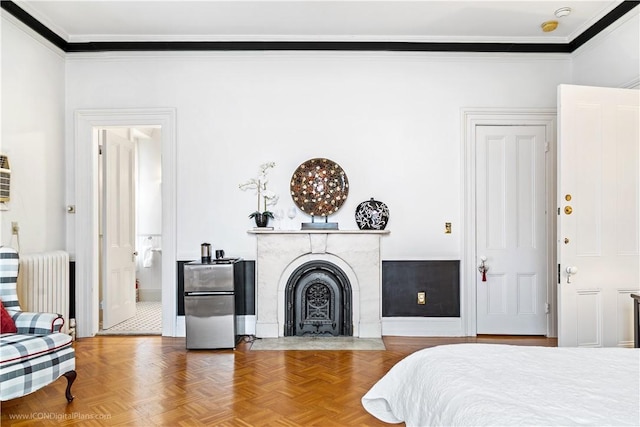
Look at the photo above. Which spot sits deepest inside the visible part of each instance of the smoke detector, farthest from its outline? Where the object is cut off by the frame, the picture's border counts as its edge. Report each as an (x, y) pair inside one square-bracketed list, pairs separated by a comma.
[(562, 12)]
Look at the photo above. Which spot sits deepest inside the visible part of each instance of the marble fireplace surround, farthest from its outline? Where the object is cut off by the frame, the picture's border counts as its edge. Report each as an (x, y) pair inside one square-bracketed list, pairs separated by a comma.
[(355, 252)]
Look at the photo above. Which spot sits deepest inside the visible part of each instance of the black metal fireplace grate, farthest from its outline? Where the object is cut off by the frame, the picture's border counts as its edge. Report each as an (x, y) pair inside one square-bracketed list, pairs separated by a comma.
[(318, 301)]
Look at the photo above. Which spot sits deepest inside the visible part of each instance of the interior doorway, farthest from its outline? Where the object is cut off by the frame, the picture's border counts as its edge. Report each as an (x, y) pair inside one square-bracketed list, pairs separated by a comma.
[(130, 184), (84, 226), (471, 299)]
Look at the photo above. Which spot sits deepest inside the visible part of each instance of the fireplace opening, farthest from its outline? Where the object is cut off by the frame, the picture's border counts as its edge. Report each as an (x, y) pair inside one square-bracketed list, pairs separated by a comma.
[(318, 301)]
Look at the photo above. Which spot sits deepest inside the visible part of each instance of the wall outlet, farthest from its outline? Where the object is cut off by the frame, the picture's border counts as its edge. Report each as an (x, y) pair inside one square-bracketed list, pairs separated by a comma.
[(15, 228)]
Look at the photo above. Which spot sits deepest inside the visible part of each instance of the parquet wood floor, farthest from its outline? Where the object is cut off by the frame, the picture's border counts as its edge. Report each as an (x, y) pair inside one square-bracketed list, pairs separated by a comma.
[(154, 381)]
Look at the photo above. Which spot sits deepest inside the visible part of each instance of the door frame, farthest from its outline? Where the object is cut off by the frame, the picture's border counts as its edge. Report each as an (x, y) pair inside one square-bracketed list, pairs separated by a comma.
[(86, 210), (471, 118)]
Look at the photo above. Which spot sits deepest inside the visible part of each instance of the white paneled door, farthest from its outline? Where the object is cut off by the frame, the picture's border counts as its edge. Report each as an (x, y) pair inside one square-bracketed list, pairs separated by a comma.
[(511, 230), (119, 275), (598, 226)]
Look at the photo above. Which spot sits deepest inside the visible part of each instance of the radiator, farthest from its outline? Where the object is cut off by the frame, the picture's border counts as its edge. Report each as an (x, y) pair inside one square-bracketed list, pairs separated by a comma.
[(43, 283)]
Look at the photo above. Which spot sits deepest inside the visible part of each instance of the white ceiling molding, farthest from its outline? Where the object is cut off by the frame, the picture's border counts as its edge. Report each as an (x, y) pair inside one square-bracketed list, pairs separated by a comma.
[(316, 20)]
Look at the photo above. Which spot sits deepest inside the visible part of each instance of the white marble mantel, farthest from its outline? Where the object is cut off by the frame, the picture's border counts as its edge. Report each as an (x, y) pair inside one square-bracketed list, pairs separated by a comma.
[(356, 252)]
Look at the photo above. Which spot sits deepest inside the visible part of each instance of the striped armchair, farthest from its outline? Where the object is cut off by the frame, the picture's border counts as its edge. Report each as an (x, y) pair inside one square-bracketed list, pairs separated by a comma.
[(36, 354)]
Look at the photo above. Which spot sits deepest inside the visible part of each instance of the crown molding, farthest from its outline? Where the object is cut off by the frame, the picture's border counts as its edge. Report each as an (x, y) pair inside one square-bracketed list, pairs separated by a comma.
[(316, 45)]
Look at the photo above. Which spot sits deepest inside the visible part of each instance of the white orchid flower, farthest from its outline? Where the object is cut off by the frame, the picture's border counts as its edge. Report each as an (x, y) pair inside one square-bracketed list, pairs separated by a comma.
[(268, 198)]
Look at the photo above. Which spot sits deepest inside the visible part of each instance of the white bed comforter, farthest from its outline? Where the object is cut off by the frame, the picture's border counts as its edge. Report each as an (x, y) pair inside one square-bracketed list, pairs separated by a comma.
[(503, 385)]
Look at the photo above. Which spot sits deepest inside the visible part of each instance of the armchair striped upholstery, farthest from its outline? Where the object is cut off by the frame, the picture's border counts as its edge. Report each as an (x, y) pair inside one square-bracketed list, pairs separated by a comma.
[(37, 354), (9, 278), (26, 322)]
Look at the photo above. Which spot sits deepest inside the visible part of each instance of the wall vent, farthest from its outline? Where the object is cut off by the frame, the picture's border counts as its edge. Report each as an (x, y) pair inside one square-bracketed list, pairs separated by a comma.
[(5, 178)]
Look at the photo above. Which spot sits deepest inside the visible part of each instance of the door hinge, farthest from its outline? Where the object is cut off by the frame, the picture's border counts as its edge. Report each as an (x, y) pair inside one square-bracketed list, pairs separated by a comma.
[(99, 150), (546, 147), (547, 308)]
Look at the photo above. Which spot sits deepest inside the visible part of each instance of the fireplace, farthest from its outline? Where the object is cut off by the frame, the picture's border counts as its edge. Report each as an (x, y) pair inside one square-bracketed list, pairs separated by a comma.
[(318, 301), (336, 274)]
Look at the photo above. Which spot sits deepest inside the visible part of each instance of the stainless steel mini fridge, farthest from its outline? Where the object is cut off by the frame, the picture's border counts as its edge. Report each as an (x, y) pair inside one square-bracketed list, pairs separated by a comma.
[(209, 304)]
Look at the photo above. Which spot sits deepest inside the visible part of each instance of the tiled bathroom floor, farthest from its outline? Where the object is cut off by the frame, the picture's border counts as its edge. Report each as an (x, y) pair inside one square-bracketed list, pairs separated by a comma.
[(147, 321)]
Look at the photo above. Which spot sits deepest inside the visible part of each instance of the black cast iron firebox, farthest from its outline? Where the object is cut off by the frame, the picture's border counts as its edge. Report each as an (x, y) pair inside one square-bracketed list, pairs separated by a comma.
[(318, 301)]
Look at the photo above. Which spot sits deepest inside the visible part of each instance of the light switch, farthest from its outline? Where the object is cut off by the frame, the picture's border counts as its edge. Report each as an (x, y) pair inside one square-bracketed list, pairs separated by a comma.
[(422, 298)]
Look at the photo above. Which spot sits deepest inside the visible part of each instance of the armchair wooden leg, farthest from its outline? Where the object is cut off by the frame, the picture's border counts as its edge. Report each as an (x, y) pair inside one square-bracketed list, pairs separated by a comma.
[(71, 377)]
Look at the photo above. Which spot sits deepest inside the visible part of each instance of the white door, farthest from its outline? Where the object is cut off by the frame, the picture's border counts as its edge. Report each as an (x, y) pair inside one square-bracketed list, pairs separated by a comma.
[(511, 230), (119, 275), (598, 230)]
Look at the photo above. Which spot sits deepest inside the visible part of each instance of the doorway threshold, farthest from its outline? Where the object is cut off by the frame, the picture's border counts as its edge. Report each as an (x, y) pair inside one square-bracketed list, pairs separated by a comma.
[(147, 321)]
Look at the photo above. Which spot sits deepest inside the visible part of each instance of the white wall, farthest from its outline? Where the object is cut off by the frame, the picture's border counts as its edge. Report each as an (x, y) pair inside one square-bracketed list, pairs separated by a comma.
[(612, 58), (33, 96), (391, 120)]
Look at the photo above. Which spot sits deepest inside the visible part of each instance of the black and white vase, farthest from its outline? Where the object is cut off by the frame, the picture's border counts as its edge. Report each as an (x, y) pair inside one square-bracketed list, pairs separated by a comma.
[(372, 215)]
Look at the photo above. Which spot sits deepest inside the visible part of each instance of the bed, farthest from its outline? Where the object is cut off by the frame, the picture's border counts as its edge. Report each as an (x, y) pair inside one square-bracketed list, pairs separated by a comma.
[(503, 385)]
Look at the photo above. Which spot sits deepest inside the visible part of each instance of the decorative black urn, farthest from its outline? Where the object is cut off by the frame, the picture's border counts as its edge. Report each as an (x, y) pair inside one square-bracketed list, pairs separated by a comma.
[(372, 215)]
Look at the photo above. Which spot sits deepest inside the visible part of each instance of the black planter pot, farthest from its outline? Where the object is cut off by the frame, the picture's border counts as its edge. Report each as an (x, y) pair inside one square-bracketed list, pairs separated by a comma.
[(261, 219)]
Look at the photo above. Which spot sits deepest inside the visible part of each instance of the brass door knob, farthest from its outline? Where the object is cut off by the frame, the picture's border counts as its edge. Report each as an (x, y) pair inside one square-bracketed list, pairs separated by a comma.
[(568, 210)]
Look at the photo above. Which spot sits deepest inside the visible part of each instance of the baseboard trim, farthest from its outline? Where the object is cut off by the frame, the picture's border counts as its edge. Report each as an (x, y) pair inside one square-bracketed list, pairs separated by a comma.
[(423, 326), (150, 295), (392, 326), (246, 325)]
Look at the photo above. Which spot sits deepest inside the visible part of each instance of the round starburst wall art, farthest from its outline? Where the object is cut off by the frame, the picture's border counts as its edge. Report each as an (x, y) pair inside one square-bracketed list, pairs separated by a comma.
[(319, 187)]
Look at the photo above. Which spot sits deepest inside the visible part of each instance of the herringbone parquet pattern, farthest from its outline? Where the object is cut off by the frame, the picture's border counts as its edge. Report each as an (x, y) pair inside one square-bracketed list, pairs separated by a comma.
[(154, 381)]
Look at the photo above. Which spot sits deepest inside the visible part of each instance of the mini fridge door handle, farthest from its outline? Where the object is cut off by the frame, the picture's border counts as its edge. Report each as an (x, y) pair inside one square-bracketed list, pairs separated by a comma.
[(206, 293)]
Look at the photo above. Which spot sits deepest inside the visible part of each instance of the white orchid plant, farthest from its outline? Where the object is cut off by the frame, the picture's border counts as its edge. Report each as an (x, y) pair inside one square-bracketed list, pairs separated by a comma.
[(259, 184)]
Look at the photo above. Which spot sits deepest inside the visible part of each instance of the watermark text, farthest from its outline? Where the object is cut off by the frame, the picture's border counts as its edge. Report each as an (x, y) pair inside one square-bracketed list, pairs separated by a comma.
[(59, 416)]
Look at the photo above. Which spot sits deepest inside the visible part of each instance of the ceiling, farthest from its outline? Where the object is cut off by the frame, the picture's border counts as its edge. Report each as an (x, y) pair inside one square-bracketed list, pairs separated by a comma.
[(316, 20)]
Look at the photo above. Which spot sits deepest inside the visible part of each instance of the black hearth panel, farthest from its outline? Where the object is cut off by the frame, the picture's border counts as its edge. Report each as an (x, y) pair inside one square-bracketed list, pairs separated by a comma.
[(247, 304), (402, 281)]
